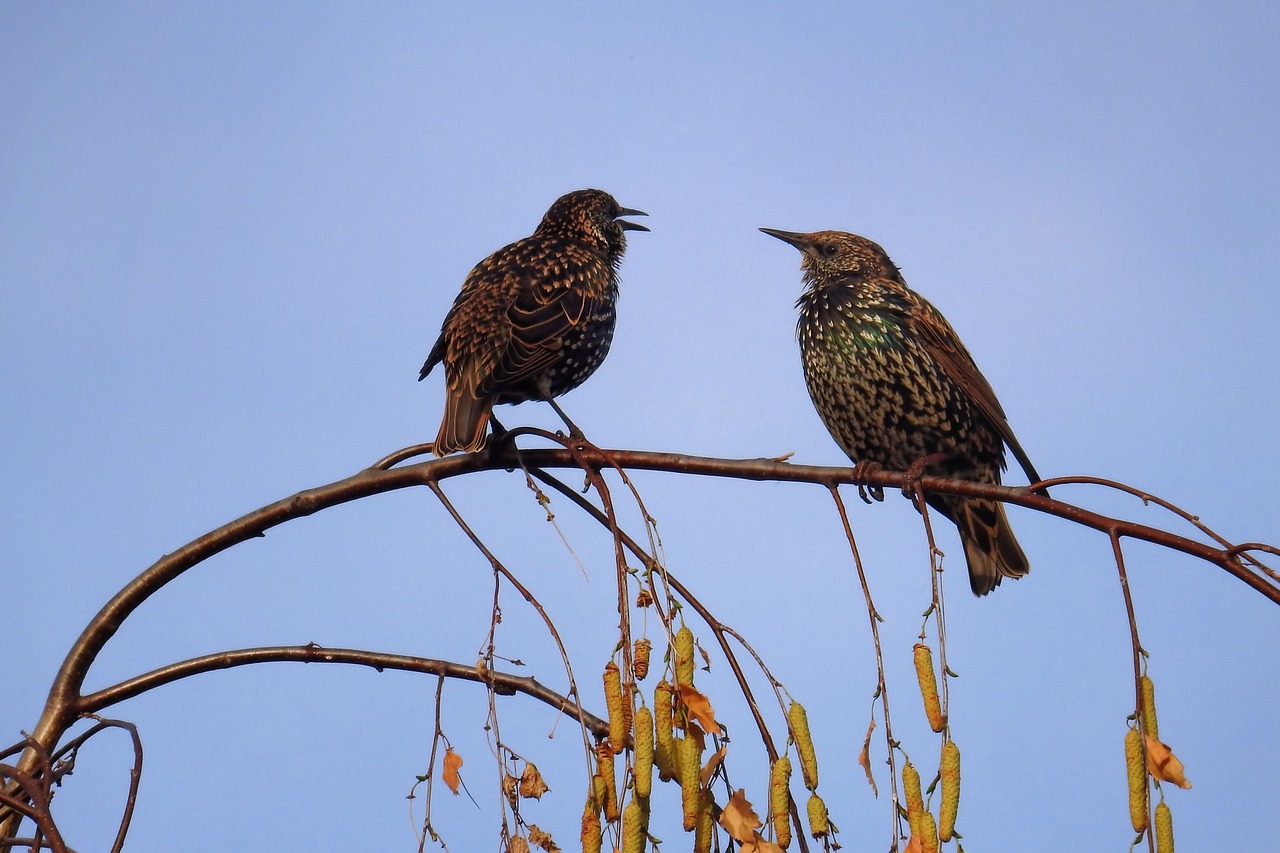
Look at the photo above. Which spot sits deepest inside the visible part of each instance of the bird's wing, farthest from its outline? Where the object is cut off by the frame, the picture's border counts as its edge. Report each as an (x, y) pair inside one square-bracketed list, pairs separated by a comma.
[(545, 310), (936, 334)]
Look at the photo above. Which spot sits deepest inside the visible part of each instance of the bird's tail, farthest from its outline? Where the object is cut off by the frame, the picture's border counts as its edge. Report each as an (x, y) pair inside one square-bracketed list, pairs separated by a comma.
[(990, 548), (466, 419)]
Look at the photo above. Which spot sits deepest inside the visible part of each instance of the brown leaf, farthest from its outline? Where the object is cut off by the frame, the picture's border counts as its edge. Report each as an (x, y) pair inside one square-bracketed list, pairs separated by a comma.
[(452, 761), (532, 786), (864, 758), (758, 844), (739, 819), (509, 785), (541, 839), (699, 708), (1163, 765), (699, 737), (517, 845), (709, 769), (915, 845)]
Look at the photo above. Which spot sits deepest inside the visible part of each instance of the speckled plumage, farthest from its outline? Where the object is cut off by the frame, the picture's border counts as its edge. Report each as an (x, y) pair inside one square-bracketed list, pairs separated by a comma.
[(534, 319), (894, 385)]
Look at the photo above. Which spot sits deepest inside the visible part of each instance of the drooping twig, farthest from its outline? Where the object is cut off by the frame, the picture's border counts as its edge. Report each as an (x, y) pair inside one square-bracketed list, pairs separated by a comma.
[(882, 687), (528, 596)]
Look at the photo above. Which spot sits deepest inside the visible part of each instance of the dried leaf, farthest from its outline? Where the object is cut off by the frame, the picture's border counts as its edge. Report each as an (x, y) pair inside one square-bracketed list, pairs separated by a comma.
[(517, 844), (509, 785), (739, 819), (452, 761), (541, 839), (914, 845), (709, 769), (759, 844), (864, 758), (692, 730), (532, 786), (699, 708), (1163, 765)]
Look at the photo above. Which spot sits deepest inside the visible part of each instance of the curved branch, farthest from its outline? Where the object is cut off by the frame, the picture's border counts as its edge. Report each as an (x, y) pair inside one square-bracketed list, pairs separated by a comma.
[(63, 704), (503, 683)]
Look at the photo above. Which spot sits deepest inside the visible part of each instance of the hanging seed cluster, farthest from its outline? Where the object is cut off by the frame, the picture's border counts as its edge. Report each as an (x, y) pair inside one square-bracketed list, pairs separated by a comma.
[(1140, 767), (780, 799), (931, 831), (816, 810), (928, 686), (670, 735)]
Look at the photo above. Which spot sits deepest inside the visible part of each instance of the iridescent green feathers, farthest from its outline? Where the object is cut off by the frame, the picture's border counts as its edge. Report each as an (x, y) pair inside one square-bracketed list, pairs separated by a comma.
[(894, 385)]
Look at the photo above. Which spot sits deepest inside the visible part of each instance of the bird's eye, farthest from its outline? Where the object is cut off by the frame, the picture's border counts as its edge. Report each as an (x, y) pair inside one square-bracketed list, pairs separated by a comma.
[(829, 249)]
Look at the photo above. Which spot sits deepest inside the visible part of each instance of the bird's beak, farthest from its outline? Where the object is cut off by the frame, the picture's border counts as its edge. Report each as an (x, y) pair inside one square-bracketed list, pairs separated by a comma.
[(795, 238), (631, 226)]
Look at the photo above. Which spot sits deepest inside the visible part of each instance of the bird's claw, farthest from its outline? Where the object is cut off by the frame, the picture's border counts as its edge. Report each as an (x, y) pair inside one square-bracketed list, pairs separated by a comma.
[(868, 493), (911, 479)]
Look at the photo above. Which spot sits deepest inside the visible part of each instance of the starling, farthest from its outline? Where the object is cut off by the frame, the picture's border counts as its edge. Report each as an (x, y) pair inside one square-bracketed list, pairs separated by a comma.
[(534, 319), (896, 388)]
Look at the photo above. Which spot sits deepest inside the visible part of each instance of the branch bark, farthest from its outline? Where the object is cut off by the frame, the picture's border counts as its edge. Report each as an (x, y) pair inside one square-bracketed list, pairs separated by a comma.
[(65, 702)]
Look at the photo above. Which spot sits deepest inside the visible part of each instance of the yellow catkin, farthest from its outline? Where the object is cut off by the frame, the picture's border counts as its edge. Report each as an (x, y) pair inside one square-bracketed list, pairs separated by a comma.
[(915, 801), (640, 658), (629, 704), (704, 829), (928, 833), (799, 722), (613, 701), (949, 771), (779, 799), (1137, 772), (1149, 721), (690, 763), (684, 662), (632, 828), (604, 755), (664, 755), (1164, 829), (819, 823), (644, 751), (592, 837), (928, 686)]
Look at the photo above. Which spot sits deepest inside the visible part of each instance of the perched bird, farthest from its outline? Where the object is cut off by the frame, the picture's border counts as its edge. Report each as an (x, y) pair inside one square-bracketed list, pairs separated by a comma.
[(896, 388), (534, 319)]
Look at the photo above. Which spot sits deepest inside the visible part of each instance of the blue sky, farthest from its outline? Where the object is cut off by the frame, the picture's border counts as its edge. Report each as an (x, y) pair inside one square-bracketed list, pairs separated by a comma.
[(228, 235)]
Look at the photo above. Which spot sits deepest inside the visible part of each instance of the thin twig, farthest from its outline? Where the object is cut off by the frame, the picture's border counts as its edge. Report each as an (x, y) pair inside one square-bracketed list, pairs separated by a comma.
[(882, 688)]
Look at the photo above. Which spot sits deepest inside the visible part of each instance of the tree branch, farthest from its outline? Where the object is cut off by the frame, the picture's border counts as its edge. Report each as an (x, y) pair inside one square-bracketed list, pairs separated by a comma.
[(64, 703), (504, 683)]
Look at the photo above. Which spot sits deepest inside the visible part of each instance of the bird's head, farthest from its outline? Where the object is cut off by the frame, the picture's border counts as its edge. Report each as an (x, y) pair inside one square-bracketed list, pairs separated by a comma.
[(829, 256), (592, 215)]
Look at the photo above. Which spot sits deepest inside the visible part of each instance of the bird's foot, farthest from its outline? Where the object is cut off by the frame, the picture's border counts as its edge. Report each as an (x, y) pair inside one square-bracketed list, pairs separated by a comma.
[(501, 444), (575, 434), (868, 493), (911, 479)]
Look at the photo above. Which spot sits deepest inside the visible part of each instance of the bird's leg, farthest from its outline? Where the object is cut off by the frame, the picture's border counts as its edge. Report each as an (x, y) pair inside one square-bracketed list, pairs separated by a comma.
[(861, 469), (911, 478), (499, 441), (574, 432)]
